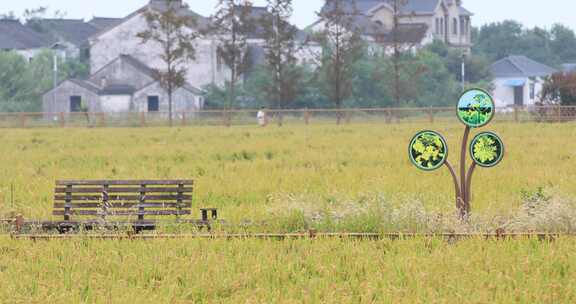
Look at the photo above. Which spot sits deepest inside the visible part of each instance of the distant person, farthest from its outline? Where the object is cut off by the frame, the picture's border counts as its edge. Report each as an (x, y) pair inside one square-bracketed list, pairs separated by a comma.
[(261, 117)]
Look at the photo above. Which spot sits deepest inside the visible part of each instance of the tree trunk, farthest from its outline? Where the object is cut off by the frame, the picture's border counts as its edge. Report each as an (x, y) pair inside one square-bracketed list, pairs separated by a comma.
[(170, 116)]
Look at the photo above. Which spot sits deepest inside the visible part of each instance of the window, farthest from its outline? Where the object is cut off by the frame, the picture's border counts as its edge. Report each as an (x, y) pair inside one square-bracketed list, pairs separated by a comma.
[(462, 26), (442, 26), (532, 90), (437, 26), (455, 26), (75, 104), (153, 104)]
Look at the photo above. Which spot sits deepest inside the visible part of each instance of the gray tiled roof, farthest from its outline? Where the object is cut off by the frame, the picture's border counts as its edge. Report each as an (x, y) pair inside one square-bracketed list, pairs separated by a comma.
[(86, 85), (74, 31), (183, 9), (139, 65), (406, 34), (410, 7), (103, 23), (117, 89), (120, 88), (520, 66), (15, 36), (202, 22), (364, 6)]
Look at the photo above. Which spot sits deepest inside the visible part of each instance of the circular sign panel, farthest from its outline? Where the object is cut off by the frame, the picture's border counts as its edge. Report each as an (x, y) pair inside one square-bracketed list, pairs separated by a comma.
[(428, 150), (487, 149), (476, 108)]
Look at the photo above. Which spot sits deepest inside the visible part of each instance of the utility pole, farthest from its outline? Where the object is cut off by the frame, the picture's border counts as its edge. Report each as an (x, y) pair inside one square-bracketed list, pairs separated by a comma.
[(463, 71), (55, 78)]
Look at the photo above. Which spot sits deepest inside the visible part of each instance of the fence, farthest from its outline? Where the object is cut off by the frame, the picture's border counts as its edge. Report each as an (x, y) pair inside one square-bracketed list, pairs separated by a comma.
[(301, 116)]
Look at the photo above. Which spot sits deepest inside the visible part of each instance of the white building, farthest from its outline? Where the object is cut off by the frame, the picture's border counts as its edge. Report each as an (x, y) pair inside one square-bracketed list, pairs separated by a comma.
[(420, 21), (518, 81)]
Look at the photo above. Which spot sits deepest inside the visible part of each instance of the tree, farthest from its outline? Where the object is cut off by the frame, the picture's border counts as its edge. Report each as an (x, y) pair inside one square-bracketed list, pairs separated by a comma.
[(478, 72), (497, 40), (172, 32), (22, 84), (563, 43), (232, 23), (560, 89), (396, 5), (279, 51), (342, 48)]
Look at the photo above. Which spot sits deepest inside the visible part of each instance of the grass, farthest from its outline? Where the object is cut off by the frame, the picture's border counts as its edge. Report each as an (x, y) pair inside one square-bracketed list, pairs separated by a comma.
[(348, 178), (256, 271)]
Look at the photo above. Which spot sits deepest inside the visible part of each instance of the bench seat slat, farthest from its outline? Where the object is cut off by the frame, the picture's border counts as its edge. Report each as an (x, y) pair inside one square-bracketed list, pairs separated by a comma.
[(122, 197), (124, 212), (125, 190), (124, 205), (122, 182)]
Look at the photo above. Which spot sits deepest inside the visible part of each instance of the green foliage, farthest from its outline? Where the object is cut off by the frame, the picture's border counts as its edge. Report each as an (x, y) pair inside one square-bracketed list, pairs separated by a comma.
[(428, 150), (478, 72), (498, 40), (478, 112), (473, 117), (22, 84), (260, 91), (560, 89)]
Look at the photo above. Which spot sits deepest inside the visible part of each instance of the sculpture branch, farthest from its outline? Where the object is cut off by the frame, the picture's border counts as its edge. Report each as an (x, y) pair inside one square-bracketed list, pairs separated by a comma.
[(459, 200), (469, 187), (463, 165)]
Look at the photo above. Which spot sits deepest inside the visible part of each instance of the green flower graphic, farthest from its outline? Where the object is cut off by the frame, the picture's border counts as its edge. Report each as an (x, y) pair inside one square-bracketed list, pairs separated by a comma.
[(475, 108), (428, 150), (485, 149)]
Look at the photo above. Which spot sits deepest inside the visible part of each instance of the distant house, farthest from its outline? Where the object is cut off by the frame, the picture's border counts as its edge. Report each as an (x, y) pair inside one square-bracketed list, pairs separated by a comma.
[(121, 38), (518, 81), (119, 60), (71, 35), (420, 22), (14, 36), (305, 49), (123, 85)]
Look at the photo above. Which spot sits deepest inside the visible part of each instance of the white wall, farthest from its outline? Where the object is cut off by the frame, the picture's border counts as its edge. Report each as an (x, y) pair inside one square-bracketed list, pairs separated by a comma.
[(123, 39), (115, 103), (504, 94)]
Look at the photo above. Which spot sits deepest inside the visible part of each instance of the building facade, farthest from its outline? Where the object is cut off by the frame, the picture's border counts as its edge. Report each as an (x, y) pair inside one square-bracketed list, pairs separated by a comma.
[(518, 81), (123, 85), (419, 21)]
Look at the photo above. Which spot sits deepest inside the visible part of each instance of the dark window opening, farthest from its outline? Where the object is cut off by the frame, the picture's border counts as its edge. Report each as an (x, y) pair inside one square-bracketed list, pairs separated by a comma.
[(75, 104), (519, 96), (532, 91), (153, 104)]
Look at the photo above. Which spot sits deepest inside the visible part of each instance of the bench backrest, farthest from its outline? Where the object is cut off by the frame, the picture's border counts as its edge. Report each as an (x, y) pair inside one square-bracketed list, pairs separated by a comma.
[(104, 198)]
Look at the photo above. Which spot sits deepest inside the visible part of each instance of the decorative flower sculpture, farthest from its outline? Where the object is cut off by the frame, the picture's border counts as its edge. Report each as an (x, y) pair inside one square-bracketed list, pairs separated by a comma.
[(428, 150)]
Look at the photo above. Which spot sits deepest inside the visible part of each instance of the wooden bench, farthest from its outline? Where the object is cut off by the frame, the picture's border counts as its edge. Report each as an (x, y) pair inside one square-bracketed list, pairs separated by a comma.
[(133, 200)]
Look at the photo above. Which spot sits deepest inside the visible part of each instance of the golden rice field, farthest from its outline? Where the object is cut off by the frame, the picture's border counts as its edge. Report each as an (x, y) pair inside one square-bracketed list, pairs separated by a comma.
[(255, 271), (253, 173), (348, 178)]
